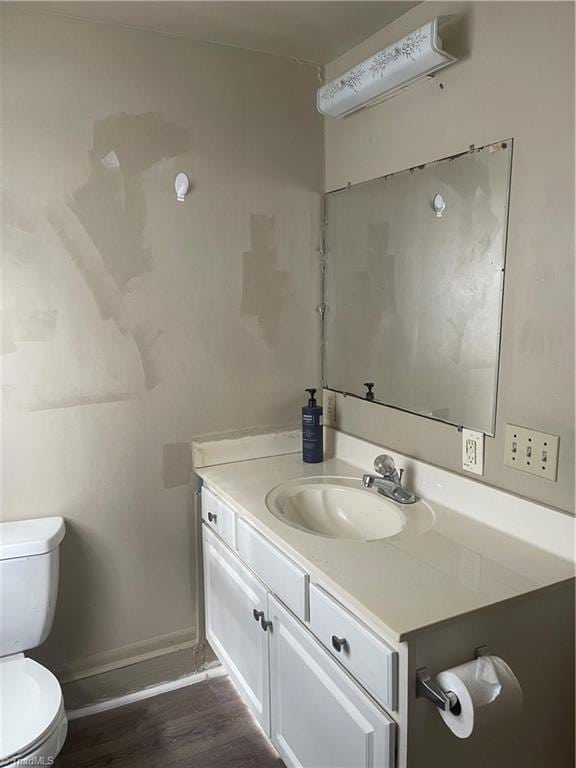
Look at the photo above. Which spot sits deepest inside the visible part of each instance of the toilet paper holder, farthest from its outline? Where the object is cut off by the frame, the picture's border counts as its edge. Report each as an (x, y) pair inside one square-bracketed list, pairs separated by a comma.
[(427, 688)]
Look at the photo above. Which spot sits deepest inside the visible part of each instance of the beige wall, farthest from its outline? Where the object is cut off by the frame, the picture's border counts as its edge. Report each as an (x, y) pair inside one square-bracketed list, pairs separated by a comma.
[(133, 323), (515, 79)]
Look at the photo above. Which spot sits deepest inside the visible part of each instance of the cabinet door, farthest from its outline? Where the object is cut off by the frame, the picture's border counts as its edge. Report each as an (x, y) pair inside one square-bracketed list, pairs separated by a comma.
[(319, 717), (232, 595)]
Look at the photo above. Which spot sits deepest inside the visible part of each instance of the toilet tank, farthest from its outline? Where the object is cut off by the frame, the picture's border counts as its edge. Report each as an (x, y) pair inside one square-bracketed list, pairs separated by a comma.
[(29, 560)]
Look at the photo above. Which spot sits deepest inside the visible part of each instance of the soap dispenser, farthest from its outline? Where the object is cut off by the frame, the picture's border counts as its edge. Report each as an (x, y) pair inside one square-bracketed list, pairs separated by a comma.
[(312, 431)]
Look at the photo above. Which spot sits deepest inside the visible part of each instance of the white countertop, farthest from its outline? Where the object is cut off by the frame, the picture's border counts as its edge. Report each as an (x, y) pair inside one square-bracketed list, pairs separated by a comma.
[(407, 584)]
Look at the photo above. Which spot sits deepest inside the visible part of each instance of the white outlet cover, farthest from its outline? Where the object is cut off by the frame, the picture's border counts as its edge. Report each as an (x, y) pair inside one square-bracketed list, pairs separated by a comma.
[(473, 451), (329, 400)]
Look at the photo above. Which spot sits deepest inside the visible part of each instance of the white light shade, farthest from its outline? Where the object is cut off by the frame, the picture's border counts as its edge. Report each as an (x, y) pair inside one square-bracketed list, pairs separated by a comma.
[(411, 58)]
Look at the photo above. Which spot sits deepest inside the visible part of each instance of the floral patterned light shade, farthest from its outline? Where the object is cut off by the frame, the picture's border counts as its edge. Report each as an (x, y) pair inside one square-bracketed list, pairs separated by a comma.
[(411, 58)]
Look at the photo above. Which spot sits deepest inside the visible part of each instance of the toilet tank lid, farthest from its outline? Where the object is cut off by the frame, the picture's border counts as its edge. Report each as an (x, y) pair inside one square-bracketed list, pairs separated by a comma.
[(23, 538)]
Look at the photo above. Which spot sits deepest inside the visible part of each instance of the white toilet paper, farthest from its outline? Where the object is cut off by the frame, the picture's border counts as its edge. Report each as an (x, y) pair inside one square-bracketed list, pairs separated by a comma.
[(488, 692)]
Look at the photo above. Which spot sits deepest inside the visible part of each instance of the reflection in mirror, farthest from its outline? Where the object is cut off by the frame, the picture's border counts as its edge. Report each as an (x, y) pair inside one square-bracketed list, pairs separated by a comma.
[(413, 287)]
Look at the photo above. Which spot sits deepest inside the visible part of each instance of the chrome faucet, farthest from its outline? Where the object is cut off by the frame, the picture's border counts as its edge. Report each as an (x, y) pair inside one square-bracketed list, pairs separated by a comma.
[(388, 481)]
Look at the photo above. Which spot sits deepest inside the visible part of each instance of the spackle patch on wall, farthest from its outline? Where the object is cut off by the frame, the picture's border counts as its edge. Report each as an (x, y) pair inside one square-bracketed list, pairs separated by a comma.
[(102, 228), (88, 262), (29, 325), (7, 343), (110, 301), (145, 341), (17, 244), (111, 205), (75, 402), (18, 229), (265, 288), (177, 464)]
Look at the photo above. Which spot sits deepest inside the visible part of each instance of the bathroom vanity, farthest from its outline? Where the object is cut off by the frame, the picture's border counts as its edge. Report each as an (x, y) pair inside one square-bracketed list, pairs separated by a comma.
[(325, 633), (339, 608)]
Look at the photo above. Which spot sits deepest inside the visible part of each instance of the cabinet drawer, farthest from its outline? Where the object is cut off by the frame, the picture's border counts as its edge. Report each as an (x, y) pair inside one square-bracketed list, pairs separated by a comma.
[(219, 517), (368, 658), (283, 577)]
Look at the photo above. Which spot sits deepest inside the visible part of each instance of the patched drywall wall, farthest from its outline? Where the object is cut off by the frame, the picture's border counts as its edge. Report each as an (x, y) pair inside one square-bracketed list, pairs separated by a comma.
[(132, 322), (515, 79)]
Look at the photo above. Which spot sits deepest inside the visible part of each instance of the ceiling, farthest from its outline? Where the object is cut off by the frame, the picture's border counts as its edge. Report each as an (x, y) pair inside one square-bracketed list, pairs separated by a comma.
[(317, 31)]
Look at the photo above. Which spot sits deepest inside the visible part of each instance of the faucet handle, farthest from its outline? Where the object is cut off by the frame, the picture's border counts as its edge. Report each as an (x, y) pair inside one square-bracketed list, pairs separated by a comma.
[(384, 465)]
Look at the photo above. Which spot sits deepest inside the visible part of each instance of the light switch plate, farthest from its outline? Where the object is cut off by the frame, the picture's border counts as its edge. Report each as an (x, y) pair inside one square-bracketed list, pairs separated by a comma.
[(329, 408), (473, 451), (531, 451)]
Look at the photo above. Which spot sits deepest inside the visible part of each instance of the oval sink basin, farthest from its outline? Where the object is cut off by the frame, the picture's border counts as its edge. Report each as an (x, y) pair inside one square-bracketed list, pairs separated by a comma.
[(341, 508)]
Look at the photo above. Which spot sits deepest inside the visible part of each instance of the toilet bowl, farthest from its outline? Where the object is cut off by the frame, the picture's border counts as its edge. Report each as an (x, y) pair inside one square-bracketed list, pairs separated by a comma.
[(33, 722)]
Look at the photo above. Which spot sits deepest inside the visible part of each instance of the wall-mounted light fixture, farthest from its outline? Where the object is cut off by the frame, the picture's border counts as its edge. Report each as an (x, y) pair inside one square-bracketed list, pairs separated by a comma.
[(410, 59), (182, 187)]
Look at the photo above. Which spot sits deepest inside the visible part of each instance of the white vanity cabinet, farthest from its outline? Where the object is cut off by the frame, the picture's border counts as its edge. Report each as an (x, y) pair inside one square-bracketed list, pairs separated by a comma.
[(348, 633), (315, 713), (234, 603), (320, 717)]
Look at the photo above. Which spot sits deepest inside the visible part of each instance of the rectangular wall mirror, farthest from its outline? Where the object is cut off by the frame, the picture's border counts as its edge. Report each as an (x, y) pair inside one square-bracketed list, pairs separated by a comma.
[(414, 283)]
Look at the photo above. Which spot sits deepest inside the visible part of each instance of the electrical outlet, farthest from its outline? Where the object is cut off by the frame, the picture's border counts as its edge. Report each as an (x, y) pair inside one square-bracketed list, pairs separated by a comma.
[(329, 401), (531, 451), (473, 451)]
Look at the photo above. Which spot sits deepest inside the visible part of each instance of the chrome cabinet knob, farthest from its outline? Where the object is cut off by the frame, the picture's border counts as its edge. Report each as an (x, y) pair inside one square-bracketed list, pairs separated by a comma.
[(338, 643)]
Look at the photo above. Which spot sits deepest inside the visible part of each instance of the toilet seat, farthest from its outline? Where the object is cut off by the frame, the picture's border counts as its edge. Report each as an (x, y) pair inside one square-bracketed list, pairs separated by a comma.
[(31, 707)]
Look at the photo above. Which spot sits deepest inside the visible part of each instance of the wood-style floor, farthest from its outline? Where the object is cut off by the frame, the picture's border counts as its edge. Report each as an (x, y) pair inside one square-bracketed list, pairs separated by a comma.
[(204, 725)]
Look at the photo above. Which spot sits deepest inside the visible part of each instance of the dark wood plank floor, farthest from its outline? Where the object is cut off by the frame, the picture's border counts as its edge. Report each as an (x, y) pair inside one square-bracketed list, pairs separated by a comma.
[(204, 725)]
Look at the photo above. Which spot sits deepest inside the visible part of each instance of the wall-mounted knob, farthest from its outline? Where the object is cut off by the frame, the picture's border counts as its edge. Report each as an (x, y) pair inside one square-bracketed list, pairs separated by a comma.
[(439, 205), (211, 517), (258, 615), (369, 386), (182, 187), (338, 643)]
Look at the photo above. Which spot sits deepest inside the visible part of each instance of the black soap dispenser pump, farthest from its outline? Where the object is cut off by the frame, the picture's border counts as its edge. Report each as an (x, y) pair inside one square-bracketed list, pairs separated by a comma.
[(312, 431), (369, 394)]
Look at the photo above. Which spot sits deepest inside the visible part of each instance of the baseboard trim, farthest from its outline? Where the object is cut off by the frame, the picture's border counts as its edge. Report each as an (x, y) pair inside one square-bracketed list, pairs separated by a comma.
[(146, 693), (126, 656)]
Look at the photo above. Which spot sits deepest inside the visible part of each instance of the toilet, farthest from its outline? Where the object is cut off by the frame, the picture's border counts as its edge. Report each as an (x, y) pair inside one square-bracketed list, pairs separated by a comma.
[(33, 722)]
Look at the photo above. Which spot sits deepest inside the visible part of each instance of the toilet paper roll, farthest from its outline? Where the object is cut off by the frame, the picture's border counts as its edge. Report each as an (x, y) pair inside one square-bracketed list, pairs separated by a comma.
[(488, 692)]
